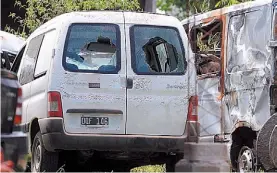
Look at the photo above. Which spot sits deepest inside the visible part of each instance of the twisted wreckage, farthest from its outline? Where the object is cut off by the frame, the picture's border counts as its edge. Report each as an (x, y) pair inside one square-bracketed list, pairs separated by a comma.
[(237, 80)]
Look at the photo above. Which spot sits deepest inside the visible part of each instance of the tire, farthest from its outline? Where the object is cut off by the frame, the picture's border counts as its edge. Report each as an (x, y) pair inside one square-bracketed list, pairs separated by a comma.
[(170, 167), (171, 163), (43, 160), (234, 152), (239, 140), (248, 156)]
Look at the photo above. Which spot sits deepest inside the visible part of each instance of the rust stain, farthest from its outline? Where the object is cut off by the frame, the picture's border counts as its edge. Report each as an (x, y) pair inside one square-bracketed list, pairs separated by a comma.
[(223, 19), (217, 14)]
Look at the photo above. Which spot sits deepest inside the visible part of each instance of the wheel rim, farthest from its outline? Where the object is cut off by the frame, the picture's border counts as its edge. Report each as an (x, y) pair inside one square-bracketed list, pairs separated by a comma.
[(37, 156), (246, 160)]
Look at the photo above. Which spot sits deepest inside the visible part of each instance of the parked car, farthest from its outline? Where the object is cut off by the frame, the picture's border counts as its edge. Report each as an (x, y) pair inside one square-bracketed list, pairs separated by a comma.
[(118, 85), (14, 145), (9, 46), (237, 80)]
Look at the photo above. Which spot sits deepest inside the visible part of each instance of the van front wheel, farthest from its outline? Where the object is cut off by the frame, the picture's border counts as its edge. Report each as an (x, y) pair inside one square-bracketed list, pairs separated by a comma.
[(43, 160), (246, 160)]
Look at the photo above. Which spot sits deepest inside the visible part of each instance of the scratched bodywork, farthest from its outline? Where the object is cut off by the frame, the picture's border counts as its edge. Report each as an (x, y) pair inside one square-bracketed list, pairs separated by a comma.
[(246, 96), (110, 84), (156, 105), (208, 85), (248, 65)]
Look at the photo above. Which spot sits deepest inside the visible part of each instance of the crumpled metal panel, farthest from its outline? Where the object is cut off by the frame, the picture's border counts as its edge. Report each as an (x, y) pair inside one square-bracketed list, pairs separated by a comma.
[(249, 67), (209, 107)]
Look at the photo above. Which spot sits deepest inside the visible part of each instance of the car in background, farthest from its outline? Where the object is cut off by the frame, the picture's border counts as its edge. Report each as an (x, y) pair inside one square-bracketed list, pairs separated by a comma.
[(9, 47), (13, 141)]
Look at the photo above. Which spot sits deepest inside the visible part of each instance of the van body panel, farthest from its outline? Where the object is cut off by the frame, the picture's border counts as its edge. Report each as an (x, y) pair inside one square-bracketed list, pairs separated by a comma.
[(88, 94), (154, 102), (249, 72), (209, 106), (209, 87), (39, 87), (77, 96), (26, 90)]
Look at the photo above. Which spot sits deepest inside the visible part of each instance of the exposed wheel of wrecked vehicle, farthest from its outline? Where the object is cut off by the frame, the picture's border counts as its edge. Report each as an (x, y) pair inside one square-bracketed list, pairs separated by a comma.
[(234, 152), (246, 160), (43, 160)]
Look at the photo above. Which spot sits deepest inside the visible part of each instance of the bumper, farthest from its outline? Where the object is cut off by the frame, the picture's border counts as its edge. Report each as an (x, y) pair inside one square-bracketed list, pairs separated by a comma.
[(55, 138), (15, 147)]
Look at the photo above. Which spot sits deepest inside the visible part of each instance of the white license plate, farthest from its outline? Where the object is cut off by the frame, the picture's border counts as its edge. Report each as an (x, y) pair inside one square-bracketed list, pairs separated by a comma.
[(95, 121)]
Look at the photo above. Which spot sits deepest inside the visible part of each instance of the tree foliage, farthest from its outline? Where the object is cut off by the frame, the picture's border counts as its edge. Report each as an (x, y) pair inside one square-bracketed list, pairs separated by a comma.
[(40, 11), (188, 7)]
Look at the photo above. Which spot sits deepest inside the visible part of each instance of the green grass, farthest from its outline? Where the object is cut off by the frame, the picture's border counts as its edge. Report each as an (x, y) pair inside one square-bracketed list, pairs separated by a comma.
[(149, 168), (28, 157)]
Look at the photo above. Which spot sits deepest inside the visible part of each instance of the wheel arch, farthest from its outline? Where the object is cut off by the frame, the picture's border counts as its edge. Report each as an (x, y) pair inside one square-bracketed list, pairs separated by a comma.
[(241, 136), (34, 128)]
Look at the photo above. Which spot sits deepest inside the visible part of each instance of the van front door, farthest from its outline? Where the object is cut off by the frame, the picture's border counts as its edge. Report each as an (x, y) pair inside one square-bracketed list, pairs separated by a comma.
[(157, 85)]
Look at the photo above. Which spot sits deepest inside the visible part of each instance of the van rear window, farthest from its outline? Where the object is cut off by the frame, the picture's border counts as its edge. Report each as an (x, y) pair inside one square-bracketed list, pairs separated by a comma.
[(92, 48), (157, 50)]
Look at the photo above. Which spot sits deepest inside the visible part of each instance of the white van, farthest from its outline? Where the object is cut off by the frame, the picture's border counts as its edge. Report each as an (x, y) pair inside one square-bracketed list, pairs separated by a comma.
[(116, 83)]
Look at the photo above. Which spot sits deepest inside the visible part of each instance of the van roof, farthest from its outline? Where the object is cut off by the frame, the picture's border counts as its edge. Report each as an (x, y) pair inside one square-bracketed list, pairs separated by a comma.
[(103, 16), (225, 10)]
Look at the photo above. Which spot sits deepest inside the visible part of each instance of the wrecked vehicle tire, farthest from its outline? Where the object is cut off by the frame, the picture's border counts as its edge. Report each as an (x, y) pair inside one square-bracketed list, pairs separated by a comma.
[(246, 160)]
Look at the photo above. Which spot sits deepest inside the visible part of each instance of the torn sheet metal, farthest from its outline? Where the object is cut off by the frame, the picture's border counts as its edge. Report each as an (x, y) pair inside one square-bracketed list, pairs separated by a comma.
[(249, 67), (209, 107)]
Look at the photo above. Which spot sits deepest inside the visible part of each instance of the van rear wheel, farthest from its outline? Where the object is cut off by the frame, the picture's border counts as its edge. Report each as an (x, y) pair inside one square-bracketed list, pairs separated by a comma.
[(43, 160)]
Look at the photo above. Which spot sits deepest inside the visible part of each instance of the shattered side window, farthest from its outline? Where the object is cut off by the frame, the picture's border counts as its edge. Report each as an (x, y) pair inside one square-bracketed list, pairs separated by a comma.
[(92, 48), (248, 35), (156, 50)]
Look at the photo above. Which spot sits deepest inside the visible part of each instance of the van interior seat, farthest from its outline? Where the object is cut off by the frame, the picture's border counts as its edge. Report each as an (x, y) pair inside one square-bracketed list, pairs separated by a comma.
[(107, 68), (74, 56), (72, 67)]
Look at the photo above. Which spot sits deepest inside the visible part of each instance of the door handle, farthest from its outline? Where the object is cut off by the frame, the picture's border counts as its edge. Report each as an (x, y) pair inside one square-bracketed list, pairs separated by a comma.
[(129, 83)]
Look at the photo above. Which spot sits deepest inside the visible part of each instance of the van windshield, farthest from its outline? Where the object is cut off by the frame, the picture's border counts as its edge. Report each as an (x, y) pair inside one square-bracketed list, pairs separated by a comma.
[(157, 50), (92, 48)]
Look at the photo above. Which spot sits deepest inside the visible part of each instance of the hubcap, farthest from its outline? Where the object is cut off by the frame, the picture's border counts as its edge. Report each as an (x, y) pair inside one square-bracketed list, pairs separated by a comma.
[(37, 156), (246, 161)]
